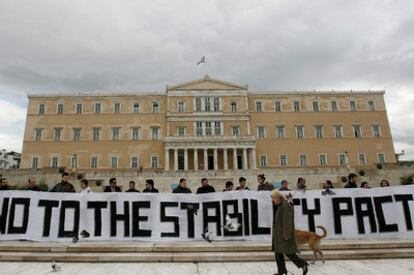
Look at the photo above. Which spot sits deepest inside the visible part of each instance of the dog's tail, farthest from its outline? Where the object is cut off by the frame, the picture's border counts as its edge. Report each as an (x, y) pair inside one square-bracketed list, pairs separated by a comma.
[(325, 233)]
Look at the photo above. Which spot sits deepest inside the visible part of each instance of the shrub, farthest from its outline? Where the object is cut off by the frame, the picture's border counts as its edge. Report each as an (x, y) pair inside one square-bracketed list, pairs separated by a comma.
[(406, 179)]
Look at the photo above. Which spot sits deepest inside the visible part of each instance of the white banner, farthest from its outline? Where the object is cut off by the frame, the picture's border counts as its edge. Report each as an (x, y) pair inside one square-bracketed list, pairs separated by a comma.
[(237, 215)]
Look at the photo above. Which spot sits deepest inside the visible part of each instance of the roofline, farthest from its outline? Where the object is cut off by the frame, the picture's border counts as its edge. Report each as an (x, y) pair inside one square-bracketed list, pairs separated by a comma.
[(206, 77), (319, 92), (92, 94)]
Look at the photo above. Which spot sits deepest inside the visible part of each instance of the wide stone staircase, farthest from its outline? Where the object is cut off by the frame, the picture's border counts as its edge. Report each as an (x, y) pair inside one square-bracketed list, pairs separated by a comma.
[(230, 251)]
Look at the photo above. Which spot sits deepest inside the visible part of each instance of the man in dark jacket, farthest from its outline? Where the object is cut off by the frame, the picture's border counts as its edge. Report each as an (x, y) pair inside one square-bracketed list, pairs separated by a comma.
[(263, 184), (149, 187), (205, 187), (64, 186), (283, 235), (132, 187), (3, 184), (31, 185), (112, 186), (242, 184), (351, 181), (285, 186), (182, 187)]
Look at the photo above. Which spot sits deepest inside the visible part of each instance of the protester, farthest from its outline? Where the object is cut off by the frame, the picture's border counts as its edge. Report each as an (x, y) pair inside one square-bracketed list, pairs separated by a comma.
[(3, 184), (84, 185), (328, 185), (31, 185), (112, 186), (365, 185), (411, 181), (242, 184), (229, 186), (131, 186), (283, 235), (149, 187), (285, 186), (205, 187), (301, 184), (264, 185), (384, 183), (351, 181), (182, 187), (63, 186)]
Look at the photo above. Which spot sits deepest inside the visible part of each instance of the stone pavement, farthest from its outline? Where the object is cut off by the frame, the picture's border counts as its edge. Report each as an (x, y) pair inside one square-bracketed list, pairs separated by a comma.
[(348, 267)]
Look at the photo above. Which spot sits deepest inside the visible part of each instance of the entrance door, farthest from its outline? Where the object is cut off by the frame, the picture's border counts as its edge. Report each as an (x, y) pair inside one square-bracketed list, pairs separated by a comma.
[(239, 162), (210, 162), (180, 162)]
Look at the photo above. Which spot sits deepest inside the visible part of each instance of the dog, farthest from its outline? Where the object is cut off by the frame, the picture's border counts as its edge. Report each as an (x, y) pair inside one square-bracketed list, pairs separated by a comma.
[(313, 240)]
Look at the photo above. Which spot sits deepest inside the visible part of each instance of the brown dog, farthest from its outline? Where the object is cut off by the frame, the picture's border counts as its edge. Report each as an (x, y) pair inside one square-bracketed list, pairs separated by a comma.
[(313, 240)]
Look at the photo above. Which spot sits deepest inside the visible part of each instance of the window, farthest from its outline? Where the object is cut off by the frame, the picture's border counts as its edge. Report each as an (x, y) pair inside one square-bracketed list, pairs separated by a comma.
[(60, 109), (135, 133), (38, 134), (199, 128), (155, 107), (35, 162), (300, 131), (258, 106), (98, 107), (263, 160), (235, 130), (357, 131), (54, 162), (296, 106), (134, 162), (216, 104), (342, 159), (280, 131), (198, 104), (154, 162), (302, 160), (207, 106), (57, 133), (353, 106), (114, 162), (234, 106), (361, 159), (278, 107), (74, 162), (155, 133), (261, 133), (323, 160), (371, 105), (217, 128), (41, 109), (208, 128), (76, 134), (319, 131), (334, 106), (136, 108), (181, 106), (79, 108), (95, 133), (94, 162), (381, 158), (283, 160), (376, 130), (338, 131), (180, 131), (117, 108), (116, 133), (315, 105)]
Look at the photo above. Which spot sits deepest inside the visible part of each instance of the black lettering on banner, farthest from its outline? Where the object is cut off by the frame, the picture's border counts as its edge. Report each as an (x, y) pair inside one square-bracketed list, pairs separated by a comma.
[(173, 219), (97, 206), (404, 198), (47, 218), (137, 218), (75, 230), (212, 219), (192, 209), (235, 214), (369, 212), (246, 217), (311, 212), (115, 217), (338, 212), (256, 230), (296, 202), (382, 224), (3, 217), (23, 228)]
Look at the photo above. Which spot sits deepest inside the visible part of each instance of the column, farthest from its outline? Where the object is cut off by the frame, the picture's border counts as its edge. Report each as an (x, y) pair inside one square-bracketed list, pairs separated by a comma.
[(175, 159), (235, 167), (245, 159), (225, 160), (253, 158), (167, 159), (205, 160), (195, 159), (185, 159), (215, 159)]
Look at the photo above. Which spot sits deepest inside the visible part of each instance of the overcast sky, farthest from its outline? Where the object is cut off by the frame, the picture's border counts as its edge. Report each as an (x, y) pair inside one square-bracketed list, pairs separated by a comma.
[(77, 45)]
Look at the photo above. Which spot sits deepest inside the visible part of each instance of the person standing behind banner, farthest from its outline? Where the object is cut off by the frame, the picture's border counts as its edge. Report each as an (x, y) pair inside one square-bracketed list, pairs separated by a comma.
[(3, 184), (31, 185), (301, 184), (182, 187), (112, 186), (205, 187), (132, 187), (384, 183), (285, 186), (264, 185), (229, 186), (242, 184), (64, 186), (351, 181), (283, 235), (84, 185), (149, 187)]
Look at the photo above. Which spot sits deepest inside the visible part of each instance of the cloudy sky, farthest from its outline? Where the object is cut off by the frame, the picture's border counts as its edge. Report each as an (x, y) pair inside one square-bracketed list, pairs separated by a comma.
[(101, 45)]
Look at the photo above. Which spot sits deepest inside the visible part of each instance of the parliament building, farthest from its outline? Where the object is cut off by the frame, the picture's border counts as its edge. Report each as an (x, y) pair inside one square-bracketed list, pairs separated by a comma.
[(207, 124)]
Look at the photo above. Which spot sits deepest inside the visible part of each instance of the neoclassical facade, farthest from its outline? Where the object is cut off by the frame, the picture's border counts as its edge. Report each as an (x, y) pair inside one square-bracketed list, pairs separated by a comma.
[(207, 124)]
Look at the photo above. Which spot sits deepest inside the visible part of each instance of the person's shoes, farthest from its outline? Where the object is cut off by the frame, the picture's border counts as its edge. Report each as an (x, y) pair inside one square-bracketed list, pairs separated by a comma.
[(280, 273), (305, 269)]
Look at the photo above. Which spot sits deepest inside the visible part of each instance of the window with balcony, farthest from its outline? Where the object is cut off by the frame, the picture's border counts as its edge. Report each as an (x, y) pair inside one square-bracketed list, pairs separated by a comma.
[(357, 131), (234, 106), (136, 107), (315, 105), (181, 106), (258, 106), (155, 133), (235, 130), (41, 109), (283, 160), (296, 106), (278, 106), (334, 106), (60, 109), (76, 134), (116, 133), (117, 108), (38, 134), (96, 134), (353, 106), (302, 160), (376, 131), (338, 131), (155, 107), (135, 131), (261, 132), (319, 131), (280, 131), (57, 134), (79, 108), (300, 131)]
